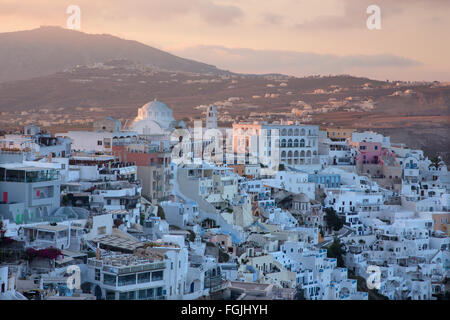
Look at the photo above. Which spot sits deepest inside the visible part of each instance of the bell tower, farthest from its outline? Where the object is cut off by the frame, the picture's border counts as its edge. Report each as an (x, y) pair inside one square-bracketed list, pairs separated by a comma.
[(211, 118)]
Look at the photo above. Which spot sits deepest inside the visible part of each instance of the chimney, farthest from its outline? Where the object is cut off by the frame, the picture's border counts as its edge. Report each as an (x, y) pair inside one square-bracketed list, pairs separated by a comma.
[(97, 256)]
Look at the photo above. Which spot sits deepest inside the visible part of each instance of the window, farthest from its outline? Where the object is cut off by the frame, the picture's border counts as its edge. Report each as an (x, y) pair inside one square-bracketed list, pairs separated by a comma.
[(109, 279), (144, 277), (146, 294), (97, 274), (157, 275), (99, 142), (128, 279)]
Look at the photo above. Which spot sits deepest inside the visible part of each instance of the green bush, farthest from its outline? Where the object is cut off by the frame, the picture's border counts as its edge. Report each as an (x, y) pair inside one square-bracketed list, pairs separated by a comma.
[(161, 213)]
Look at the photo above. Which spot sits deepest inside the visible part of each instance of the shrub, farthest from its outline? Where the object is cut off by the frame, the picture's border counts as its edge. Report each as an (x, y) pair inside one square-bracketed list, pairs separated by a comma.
[(49, 253)]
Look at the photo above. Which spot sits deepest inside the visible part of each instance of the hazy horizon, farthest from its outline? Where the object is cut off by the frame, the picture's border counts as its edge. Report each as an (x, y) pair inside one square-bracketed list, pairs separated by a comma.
[(260, 37)]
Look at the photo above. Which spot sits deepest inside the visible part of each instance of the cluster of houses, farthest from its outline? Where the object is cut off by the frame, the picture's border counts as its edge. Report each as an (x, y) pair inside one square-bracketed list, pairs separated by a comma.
[(123, 214)]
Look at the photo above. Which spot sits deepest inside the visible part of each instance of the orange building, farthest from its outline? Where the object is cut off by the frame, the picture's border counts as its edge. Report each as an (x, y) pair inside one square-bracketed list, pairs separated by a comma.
[(238, 169), (339, 133), (442, 221)]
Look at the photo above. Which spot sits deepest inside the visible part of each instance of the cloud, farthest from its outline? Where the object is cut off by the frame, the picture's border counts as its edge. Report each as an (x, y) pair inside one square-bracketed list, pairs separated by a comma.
[(209, 11), (220, 14), (354, 15), (291, 62), (273, 19)]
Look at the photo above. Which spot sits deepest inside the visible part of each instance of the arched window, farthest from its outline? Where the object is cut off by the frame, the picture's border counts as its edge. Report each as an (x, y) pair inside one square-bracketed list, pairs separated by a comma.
[(289, 143), (290, 154), (296, 143), (302, 132), (283, 155), (283, 132), (296, 154), (308, 154), (283, 143), (290, 132), (302, 154), (296, 132), (302, 143)]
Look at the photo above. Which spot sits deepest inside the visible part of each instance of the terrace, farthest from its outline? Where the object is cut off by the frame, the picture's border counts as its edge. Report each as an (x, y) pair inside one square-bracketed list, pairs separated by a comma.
[(27, 174)]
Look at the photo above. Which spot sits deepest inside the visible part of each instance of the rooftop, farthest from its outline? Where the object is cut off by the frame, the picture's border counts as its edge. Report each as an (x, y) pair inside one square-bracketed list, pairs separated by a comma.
[(121, 243), (23, 167), (123, 260), (48, 227)]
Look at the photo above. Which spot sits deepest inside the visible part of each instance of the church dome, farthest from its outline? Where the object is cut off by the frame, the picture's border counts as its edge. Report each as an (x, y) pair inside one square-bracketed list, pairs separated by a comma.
[(153, 118), (154, 110)]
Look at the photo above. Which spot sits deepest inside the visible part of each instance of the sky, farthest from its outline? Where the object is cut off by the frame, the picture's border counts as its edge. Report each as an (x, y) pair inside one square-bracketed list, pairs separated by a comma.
[(294, 37)]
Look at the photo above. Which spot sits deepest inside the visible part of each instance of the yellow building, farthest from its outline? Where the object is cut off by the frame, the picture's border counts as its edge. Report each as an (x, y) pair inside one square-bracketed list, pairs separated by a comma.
[(339, 133)]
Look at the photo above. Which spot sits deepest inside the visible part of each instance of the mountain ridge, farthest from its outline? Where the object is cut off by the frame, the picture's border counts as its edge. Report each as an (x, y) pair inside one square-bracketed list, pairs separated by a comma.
[(49, 49)]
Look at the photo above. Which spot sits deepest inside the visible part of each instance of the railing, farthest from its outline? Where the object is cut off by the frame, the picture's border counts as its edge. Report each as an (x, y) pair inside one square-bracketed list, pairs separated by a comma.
[(144, 267)]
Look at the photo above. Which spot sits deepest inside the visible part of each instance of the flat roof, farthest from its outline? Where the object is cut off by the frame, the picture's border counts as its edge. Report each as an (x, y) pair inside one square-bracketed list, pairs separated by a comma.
[(48, 227), (128, 260), (23, 167), (118, 242)]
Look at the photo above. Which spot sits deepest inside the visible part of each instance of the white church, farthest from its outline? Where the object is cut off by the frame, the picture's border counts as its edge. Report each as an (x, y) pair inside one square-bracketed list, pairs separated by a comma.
[(155, 118)]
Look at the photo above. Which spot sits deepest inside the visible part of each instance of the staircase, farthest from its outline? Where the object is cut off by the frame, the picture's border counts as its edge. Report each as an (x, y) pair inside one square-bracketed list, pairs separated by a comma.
[(189, 190)]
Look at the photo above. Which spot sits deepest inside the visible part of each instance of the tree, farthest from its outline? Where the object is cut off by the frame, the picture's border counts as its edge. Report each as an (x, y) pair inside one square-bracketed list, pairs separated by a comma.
[(435, 162), (333, 220), (223, 256), (161, 213), (65, 200), (336, 251)]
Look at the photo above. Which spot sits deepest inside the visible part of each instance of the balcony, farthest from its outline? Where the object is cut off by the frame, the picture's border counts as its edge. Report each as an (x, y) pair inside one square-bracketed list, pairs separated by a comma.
[(17, 175)]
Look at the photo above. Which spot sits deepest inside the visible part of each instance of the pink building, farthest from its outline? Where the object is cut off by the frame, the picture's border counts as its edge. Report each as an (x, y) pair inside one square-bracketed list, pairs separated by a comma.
[(369, 152)]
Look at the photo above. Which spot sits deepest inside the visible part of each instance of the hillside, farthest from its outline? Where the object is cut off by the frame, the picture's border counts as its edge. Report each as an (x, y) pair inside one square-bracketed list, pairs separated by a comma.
[(415, 114), (43, 51)]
